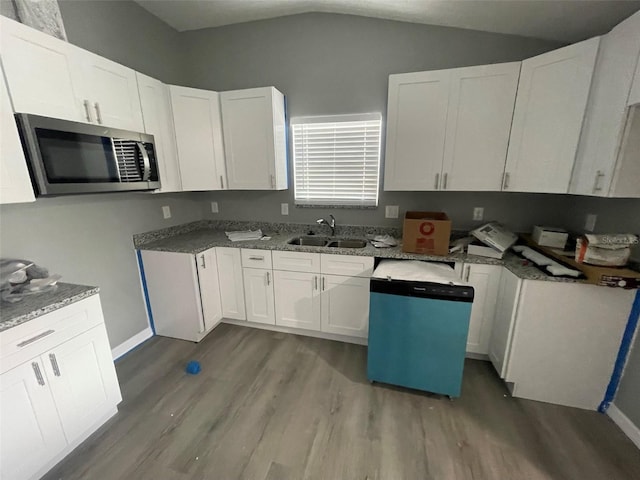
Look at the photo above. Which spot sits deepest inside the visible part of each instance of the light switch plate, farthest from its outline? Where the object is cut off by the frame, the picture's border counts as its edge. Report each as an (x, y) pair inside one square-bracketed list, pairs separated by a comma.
[(478, 213), (166, 212), (391, 211), (284, 208), (214, 207), (590, 222)]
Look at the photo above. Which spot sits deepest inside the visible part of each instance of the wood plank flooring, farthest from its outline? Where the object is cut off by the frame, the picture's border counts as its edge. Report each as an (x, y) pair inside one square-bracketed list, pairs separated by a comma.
[(273, 406)]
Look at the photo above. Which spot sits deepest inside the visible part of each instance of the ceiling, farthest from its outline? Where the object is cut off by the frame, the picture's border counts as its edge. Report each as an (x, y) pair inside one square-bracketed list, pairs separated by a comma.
[(559, 20)]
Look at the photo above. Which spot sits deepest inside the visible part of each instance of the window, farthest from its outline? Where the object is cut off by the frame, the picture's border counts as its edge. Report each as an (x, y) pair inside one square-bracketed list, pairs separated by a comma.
[(336, 160)]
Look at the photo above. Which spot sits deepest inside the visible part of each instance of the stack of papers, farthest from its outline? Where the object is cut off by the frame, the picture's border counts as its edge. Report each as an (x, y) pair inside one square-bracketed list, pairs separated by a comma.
[(244, 235), (384, 241)]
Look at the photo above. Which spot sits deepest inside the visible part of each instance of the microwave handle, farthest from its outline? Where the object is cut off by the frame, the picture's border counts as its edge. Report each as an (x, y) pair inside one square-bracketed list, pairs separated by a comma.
[(145, 161)]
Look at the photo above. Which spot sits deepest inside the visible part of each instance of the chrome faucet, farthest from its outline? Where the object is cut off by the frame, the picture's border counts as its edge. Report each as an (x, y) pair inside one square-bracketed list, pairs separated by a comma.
[(331, 225)]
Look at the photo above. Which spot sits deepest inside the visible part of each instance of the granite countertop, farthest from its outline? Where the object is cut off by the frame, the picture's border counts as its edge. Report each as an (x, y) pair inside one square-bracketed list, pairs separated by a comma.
[(33, 306), (203, 236)]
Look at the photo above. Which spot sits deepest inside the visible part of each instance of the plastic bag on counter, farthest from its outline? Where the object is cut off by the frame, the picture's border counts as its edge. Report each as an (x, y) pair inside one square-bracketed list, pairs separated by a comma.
[(19, 278)]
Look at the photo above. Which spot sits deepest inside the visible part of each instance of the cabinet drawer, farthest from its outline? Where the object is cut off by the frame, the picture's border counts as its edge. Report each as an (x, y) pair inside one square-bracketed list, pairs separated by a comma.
[(350, 265), (253, 258), (296, 261), (30, 339)]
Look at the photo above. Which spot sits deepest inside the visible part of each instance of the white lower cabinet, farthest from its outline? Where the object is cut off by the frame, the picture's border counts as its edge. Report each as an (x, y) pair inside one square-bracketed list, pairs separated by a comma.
[(504, 320), (259, 295), (345, 305), (231, 284), (297, 297), (58, 384), (485, 280)]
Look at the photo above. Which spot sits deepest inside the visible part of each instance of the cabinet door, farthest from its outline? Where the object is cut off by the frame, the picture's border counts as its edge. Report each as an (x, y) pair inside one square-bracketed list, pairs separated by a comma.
[(247, 119), (606, 113), (504, 321), (15, 184), (479, 117), (209, 288), (42, 72), (297, 297), (416, 122), (258, 294), (82, 378), (231, 284), (485, 280), (158, 121), (550, 106), (30, 431), (196, 116), (112, 90), (174, 294), (345, 305)]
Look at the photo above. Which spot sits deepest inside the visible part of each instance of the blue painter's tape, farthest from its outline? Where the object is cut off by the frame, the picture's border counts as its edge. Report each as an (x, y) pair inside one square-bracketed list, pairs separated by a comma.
[(623, 353), (145, 290)]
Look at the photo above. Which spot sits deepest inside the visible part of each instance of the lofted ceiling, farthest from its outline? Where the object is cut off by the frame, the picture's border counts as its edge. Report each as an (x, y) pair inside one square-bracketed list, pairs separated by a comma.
[(559, 20)]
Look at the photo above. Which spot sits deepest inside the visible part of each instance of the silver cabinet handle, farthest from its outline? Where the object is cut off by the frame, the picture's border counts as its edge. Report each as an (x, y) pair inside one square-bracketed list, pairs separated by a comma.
[(505, 181), (221, 182), (36, 370), (98, 114), (466, 276), (444, 181), (323, 283), (256, 257), (273, 181), (204, 262), (437, 181), (596, 183), (315, 282), (268, 278), (87, 110), (54, 364), (24, 343)]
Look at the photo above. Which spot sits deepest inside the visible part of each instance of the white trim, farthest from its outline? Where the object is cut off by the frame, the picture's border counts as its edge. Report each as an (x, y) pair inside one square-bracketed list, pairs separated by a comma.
[(355, 117), (132, 343), (298, 331), (627, 426)]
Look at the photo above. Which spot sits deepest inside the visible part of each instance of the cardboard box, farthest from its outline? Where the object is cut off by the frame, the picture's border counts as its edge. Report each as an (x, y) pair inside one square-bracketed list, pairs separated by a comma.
[(426, 232), (550, 236), (484, 251)]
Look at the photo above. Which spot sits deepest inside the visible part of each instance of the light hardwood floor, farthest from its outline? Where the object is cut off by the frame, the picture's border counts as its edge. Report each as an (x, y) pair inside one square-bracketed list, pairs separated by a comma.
[(272, 406)]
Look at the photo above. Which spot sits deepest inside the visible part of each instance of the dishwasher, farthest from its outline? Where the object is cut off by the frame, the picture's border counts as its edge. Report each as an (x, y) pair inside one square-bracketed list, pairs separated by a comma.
[(418, 326)]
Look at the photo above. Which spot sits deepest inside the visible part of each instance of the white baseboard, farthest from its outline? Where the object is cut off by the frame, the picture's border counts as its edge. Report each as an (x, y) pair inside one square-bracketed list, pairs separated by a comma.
[(627, 426), (132, 343)]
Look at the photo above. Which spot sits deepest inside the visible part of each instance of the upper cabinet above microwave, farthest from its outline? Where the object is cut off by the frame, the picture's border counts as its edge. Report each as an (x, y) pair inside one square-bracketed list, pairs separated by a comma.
[(608, 160), (49, 77)]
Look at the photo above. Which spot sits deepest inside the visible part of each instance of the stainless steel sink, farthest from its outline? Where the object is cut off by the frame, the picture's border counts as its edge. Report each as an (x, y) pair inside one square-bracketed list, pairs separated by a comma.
[(347, 243), (309, 241)]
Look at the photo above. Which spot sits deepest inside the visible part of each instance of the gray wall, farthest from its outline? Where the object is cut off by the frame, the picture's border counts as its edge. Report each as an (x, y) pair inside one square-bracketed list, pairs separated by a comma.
[(87, 239), (628, 396)]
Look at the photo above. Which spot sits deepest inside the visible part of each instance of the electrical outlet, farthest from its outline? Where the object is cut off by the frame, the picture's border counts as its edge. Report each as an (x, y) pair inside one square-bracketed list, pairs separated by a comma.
[(284, 208), (214, 207), (391, 211), (478, 213), (166, 212), (590, 222)]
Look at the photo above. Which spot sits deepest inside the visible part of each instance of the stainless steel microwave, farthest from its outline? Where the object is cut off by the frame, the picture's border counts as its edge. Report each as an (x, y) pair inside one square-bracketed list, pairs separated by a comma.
[(70, 157)]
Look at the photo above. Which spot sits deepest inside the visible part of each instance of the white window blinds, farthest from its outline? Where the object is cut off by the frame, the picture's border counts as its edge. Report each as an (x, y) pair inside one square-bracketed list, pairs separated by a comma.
[(337, 159)]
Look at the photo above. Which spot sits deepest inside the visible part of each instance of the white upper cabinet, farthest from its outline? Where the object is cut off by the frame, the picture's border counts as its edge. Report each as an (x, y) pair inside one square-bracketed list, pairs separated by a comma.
[(112, 92), (602, 167), (549, 111), (47, 76), (416, 123), (158, 121), (481, 101), (254, 129), (42, 72), (196, 116), (15, 184)]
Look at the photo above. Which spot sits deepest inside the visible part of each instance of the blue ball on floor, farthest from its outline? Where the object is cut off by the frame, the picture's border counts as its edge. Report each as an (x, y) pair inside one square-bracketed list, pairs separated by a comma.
[(193, 367)]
